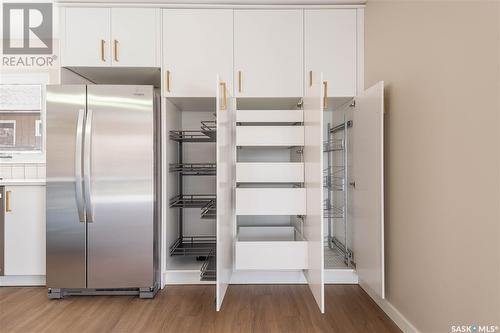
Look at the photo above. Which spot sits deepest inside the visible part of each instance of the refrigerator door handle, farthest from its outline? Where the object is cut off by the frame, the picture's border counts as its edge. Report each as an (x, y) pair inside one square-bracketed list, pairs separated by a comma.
[(78, 166), (87, 160)]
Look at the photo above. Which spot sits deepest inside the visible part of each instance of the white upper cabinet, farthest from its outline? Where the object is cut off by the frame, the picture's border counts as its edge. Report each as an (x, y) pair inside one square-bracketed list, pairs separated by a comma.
[(330, 48), (110, 37), (86, 37), (197, 46), (135, 37), (268, 53)]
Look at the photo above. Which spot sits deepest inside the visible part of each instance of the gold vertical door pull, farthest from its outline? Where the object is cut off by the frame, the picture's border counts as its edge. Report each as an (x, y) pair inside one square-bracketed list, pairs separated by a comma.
[(239, 81), (7, 201), (325, 94), (310, 78), (103, 44), (168, 81), (116, 50), (224, 96)]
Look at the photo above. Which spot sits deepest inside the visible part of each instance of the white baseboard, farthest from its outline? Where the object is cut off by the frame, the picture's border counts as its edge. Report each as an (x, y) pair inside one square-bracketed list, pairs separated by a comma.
[(332, 276), (397, 317), (22, 280), (341, 276), (268, 277)]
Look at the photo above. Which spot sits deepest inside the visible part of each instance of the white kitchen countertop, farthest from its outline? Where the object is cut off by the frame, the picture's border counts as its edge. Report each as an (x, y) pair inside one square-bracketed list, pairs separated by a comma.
[(32, 182)]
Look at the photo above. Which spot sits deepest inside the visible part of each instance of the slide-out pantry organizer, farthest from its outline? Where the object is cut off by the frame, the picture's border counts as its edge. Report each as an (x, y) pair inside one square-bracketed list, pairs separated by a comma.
[(335, 177), (201, 247), (270, 193)]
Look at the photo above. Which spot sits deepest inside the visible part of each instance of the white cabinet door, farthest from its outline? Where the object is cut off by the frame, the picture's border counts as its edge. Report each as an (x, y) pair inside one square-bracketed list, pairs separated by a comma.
[(226, 156), (313, 183), (86, 37), (197, 46), (330, 48), (268, 53), (368, 192), (24, 230), (135, 37)]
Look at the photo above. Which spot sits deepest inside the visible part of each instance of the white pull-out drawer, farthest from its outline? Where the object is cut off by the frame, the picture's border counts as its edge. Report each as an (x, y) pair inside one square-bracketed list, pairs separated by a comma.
[(269, 116), (254, 136), (270, 201), (270, 248), (270, 172)]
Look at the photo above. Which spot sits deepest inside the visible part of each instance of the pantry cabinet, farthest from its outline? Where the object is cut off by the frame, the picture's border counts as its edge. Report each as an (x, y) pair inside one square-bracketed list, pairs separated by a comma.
[(271, 142), (268, 53), (330, 47), (197, 46), (101, 37), (24, 230)]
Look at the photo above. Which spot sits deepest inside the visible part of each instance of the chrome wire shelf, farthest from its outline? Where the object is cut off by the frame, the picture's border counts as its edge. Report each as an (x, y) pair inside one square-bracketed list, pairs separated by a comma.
[(334, 183), (191, 200), (209, 211), (209, 268), (333, 145), (331, 211), (193, 246), (194, 169), (208, 125), (193, 136)]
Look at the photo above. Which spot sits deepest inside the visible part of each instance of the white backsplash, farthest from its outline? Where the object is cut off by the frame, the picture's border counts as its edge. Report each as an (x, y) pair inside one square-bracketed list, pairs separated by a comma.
[(19, 171)]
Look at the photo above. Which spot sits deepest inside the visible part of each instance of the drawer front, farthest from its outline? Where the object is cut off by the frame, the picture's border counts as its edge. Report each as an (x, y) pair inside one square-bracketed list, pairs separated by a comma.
[(270, 201), (269, 116), (269, 136), (271, 255), (270, 172)]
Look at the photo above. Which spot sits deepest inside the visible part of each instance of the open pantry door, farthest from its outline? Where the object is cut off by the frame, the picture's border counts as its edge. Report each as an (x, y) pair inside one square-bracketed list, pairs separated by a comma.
[(225, 180), (367, 188), (313, 166)]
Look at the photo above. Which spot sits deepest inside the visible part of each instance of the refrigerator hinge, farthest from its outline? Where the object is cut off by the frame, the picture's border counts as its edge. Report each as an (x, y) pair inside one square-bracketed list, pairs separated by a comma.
[(350, 123), (353, 104)]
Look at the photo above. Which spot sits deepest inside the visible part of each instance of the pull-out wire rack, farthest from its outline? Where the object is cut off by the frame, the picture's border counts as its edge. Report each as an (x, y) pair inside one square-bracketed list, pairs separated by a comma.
[(191, 200), (332, 212), (194, 169), (198, 246), (203, 248), (209, 268), (335, 177), (193, 136), (209, 211)]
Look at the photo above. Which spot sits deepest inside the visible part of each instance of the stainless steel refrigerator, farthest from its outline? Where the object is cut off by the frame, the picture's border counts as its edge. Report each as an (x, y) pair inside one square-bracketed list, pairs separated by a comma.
[(102, 190)]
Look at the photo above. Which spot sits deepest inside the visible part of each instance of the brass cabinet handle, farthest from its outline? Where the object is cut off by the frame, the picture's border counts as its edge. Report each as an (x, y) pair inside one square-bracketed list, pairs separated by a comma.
[(310, 78), (103, 44), (116, 50), (168, 81), (325, 94), (239, 81), (224, 96), (7, 201)]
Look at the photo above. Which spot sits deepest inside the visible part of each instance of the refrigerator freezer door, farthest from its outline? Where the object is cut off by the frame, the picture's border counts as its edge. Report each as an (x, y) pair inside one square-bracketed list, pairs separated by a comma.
[(65, 230), (120, 236)]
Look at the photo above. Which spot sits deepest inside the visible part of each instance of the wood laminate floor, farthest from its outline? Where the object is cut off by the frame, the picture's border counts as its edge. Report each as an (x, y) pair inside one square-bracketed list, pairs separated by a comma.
[(246, 308)]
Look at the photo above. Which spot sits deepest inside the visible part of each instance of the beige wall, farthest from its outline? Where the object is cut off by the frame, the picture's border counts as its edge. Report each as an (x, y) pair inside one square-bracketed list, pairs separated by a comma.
[(440, 61)]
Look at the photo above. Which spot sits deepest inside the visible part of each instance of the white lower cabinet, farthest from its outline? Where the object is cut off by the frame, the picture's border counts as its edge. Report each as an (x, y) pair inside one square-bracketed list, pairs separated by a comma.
[(270, 248), (24, 223)]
